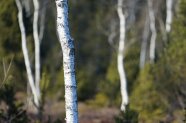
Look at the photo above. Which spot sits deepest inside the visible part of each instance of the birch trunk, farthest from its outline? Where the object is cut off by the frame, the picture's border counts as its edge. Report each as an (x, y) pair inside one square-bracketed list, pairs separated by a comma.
[(153, 30), (25, 53), (120, 57), (169, 4), (144, 44), (67, 45), (26, 5), (42, 20), (37, 46)]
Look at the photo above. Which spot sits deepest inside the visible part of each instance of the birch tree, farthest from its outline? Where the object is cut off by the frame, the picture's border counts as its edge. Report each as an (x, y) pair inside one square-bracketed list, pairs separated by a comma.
[(169, 5), (42, 19), (67, 45), (25, 53), (120, 56), (37, 46), (26, 5), (144, 43), (153, 30)]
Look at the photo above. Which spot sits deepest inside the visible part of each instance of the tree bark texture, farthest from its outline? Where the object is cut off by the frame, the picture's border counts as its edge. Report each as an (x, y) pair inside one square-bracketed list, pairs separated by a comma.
[(25, 53), (169, 4), (67, 45), (144, 44), (153, 31), (120, 57), (37, 46)]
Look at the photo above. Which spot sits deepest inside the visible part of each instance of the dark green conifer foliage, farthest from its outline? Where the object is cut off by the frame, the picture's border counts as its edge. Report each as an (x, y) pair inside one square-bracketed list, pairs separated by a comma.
[(14, 113), (159, 92)]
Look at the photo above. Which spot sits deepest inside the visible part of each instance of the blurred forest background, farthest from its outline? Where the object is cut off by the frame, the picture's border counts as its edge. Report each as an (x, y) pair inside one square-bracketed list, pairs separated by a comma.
[(157, 91)]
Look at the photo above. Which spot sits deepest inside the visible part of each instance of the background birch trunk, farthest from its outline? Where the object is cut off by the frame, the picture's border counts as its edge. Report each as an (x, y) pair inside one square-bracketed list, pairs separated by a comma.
[(67, 45), (25, 53), (144, 43), (153, 31), (169, 5), (27, 7), (42, 19), (120, 57), (37, 46)]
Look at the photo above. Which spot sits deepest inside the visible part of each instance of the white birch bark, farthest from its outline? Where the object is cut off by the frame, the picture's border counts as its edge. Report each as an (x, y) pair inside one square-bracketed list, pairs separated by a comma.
[(169, 4), (120, 57), (144, 44), (153, 30), (25, 53), (37, 46), (67, 45)]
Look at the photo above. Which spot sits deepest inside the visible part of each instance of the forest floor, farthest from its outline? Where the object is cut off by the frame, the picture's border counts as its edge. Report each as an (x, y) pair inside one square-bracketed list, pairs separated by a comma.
[(54, 110), (97, 115), (87, 113)]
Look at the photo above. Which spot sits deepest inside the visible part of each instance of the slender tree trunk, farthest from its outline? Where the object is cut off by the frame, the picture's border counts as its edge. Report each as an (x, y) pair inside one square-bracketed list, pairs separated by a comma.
[(42, 20), (37, 46), (144, 43), (112, 34), (67, 45), (163, 29), (42, 25), (25, 53), (169, 4), (120, 56), (26, 5), (153, 30)]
